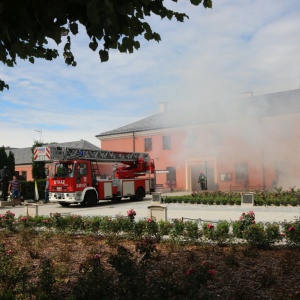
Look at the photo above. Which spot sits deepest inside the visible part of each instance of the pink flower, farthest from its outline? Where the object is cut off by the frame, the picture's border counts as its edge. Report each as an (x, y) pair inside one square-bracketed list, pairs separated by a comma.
[(131, 212), (210, 226), (97, 256), (212, 272), (189, 271), (282, 234), (253, 222), (149, 220), (292, 228)]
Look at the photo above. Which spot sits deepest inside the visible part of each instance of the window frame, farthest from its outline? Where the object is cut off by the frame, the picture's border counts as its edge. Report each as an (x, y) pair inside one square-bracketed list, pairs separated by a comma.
[(148, 144), (166, 142)]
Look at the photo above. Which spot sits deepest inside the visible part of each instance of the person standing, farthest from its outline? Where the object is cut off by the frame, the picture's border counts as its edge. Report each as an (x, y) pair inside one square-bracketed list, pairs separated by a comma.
[(15, 189), (47, 190), (202, 181)]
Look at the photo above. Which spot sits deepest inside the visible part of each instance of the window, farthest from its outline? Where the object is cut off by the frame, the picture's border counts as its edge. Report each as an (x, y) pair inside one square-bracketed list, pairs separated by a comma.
[(242, 171), (24, 175), (171, 176), (166, 142), (148, 144)]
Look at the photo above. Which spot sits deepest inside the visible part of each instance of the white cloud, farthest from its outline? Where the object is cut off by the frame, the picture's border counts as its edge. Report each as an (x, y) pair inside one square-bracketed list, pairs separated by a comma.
[(238, 46)]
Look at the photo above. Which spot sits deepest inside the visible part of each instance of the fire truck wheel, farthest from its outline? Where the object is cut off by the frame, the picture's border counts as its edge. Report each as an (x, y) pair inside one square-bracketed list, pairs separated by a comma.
[(64, 204), (89, 199), (139, 194), (116, 199)]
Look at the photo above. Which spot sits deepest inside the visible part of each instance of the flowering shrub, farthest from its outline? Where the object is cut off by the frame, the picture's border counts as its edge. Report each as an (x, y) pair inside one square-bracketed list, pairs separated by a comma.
[(178, 228), (146, 246), (257, 235), (25, 221), (131, 214), (292, 232), (7, 220), (12, 276), (164, 227), (218, 233), (75, 222), (245, 220), (151, 227), (59, 221), (191, 230), (209, 231), (196, 276)]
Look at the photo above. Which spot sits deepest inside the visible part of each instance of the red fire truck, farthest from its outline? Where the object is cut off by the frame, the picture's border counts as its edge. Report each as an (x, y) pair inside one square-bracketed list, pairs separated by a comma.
[(74, 175)]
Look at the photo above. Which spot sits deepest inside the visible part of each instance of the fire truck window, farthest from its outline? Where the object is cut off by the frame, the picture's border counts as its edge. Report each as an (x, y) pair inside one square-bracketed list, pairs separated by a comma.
[(81, 170), (64, 170)]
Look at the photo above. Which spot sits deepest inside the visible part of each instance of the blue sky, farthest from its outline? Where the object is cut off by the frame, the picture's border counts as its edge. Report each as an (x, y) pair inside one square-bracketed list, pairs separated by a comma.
[(216, 55)]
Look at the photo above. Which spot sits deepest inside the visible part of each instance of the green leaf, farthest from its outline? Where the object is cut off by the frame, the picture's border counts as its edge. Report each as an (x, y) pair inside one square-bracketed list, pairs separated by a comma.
[(103, 55), (196, 2), (74, 28), (3, 85), (31, 59), (207, 3), (93, 45)]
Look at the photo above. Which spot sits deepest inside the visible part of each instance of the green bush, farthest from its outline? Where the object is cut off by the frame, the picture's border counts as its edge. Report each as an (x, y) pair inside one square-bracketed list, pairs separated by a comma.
[(164, 227), (256, 235), (191, 230), (292, 232)]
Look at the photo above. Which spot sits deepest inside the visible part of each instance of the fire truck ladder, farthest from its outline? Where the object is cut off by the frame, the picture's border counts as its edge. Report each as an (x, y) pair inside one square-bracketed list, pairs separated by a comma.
[(65, 153)]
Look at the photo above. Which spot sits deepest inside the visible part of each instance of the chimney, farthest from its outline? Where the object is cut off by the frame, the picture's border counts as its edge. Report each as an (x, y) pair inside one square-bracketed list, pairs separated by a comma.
[(163, 107), (247, 95)]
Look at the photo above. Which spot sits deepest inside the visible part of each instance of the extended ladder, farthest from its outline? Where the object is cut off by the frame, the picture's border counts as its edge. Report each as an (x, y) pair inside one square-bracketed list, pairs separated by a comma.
[(51, 153)]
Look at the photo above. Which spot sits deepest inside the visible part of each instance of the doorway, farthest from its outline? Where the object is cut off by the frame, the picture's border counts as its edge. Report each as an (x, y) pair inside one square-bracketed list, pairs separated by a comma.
[(208, 170)]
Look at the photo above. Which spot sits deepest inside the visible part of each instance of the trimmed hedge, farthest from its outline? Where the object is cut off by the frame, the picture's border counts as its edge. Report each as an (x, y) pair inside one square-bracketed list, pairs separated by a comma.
[(28, 188)]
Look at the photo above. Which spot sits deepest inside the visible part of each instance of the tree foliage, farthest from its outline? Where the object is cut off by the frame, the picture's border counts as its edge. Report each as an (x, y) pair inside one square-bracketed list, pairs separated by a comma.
[(7, 160), (28, 25), (11, 162), (3, 157)]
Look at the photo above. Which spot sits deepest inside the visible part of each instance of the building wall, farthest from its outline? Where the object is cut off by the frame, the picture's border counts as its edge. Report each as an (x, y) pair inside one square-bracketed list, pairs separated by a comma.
[(24, 169), (267, 147)]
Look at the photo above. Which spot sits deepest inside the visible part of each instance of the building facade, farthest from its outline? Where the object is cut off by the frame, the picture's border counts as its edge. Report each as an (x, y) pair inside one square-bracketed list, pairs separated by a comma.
[(248, 143)]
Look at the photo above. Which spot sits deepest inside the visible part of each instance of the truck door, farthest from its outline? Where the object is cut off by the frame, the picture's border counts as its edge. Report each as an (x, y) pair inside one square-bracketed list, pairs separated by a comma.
[(82, 176)]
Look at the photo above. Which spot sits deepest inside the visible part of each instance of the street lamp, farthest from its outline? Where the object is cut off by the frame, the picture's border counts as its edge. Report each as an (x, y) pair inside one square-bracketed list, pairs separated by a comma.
[(205, 163), (40, 133)]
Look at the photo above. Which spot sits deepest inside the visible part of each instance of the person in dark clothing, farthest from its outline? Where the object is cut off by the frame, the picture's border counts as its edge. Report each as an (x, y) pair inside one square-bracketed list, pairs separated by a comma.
[(47, 190), (202, 181), (4, 179)]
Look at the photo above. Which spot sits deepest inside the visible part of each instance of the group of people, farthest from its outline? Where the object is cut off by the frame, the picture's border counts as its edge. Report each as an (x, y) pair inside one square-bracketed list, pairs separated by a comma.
[(13, 188)]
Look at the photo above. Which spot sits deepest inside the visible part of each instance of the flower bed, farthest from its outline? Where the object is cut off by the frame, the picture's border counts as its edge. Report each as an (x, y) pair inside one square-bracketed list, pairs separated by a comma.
[(75, 257), (261, 198)]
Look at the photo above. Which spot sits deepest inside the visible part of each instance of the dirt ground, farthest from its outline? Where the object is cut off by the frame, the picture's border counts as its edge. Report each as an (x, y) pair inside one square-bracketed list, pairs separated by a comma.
[(241, 272)]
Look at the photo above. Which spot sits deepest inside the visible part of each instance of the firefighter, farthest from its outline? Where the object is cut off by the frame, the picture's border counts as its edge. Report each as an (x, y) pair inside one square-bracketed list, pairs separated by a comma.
[(202, 181)]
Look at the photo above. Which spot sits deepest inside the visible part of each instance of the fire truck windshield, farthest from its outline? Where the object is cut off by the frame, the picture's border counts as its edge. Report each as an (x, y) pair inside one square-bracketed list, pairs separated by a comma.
[(62, 169)]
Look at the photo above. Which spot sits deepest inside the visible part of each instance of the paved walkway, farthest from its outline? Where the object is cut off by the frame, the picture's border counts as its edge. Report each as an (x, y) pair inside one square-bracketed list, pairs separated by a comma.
[(174, 211)]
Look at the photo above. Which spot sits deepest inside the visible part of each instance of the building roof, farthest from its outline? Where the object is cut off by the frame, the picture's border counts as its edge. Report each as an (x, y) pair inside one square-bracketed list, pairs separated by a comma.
[(23, 156), (286, 102)]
